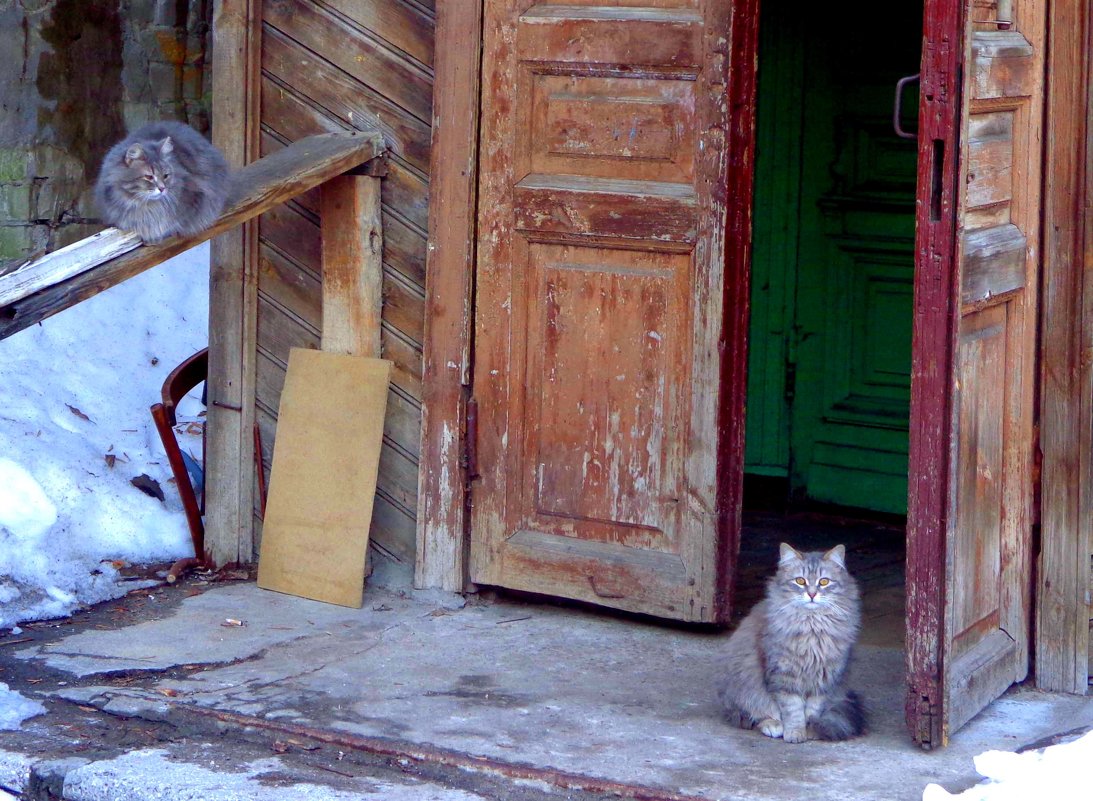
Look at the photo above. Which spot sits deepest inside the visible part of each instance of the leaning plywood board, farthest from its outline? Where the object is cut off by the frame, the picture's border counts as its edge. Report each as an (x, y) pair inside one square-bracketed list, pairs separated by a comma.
[(323, 478)]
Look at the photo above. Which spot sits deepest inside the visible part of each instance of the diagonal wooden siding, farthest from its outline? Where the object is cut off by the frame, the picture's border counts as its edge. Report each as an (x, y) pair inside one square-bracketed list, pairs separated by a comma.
[(330, 65)]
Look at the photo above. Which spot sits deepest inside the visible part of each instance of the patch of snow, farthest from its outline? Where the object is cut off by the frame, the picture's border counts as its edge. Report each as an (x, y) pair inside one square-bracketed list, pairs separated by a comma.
[(1060, 771), (14, 770), (15, 708), (75, 429)]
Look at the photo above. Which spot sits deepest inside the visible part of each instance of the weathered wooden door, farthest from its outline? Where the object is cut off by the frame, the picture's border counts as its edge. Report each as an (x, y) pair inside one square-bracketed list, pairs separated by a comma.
[(610, 300), (972, 425)]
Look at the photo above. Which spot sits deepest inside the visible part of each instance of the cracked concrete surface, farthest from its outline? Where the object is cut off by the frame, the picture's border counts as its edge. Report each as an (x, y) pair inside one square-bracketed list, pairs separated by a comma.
[(129, 778), (592, 694)]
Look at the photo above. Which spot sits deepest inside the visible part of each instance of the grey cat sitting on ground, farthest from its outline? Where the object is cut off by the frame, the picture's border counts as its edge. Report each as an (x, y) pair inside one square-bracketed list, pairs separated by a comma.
[(785, 664), (164, 179)]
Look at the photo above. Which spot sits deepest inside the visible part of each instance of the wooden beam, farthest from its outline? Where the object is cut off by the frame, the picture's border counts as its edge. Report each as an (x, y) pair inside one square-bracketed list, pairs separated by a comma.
[(52, 268), (256, 188), (442, 498), (1085, 444), (229, 448), (352, 244), (1062, 628)]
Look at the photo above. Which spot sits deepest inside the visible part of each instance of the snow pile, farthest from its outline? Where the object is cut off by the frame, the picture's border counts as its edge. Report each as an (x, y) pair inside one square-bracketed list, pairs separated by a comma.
[(1061, 771), (15, 708), (75, 430)]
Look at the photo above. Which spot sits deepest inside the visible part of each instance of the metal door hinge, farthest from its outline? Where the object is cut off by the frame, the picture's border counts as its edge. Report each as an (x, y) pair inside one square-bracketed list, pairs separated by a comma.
[(926, 721), (470, 441), (1037, 473)]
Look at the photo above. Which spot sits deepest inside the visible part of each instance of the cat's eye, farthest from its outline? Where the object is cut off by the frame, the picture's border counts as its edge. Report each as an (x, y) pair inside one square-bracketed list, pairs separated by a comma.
[(800, 581), (824, 582)]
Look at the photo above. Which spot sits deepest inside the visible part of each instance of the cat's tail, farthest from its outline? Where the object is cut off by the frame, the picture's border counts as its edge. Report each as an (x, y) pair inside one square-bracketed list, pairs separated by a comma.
[(842, 720)]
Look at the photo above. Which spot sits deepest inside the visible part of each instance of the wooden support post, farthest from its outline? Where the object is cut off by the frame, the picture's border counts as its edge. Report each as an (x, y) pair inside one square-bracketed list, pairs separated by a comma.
[(229, 450), (352, 265), (441, 508), (352, 252), (1063, 647)]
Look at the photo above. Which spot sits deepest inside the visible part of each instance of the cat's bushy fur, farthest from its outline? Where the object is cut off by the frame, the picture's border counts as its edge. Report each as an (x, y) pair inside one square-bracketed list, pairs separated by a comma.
[(162, 180), (786, 663)]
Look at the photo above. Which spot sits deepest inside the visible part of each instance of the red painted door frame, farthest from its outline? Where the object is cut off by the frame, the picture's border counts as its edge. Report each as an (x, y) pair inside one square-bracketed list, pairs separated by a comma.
[(935, 325)]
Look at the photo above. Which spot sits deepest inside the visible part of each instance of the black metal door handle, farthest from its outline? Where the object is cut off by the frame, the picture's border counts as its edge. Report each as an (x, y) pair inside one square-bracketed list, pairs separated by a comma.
[(897, 111)]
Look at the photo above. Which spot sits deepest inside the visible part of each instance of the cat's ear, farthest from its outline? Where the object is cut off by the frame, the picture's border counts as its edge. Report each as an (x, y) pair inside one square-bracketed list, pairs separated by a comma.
[(837, 555), (167, 146), (787, 552), (134, 153)]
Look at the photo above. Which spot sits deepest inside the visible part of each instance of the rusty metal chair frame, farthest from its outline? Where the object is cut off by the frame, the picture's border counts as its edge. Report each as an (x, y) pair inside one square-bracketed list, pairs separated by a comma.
[(178, 383)]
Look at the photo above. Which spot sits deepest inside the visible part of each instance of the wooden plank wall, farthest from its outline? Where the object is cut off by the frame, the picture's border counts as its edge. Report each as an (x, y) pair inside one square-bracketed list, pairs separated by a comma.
[(329, 65), (1064, 637)]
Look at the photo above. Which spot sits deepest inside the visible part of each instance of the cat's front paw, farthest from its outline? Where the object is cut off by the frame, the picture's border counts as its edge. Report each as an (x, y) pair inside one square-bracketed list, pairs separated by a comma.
[(771, 727), (795, 735)]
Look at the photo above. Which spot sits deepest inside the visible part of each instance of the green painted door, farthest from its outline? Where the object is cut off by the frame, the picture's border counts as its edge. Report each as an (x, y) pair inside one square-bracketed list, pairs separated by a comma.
[(830, 333)]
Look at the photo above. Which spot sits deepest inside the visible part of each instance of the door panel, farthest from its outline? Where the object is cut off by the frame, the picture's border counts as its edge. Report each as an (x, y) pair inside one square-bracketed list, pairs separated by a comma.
[(601, 281), (600, 438), (968, 634), (835, 201)]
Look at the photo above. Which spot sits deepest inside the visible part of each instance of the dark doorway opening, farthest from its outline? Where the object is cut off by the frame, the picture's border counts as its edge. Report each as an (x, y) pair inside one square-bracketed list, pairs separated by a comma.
[(833, 255), (831, 300)]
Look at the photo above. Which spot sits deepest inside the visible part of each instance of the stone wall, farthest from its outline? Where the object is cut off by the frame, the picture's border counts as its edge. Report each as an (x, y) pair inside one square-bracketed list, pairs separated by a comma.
[(75, 75)]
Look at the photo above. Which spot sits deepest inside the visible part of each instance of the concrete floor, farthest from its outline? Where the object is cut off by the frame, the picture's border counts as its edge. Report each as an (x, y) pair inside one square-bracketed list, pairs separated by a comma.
[(512, 687)]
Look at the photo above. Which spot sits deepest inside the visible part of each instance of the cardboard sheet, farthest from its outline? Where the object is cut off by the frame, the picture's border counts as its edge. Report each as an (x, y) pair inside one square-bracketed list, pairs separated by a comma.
[(323, 479)]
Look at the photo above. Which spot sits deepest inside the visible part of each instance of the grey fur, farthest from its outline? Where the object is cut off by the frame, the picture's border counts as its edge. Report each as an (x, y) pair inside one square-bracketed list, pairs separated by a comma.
[(164, 179), (786, 662)]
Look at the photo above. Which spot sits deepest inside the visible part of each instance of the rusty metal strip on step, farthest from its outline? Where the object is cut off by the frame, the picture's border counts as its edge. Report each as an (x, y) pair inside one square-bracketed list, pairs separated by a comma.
[(433, 755)]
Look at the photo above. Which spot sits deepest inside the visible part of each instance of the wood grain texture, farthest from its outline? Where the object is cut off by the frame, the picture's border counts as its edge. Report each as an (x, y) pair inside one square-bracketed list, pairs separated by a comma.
[(994, 263), (256, 188), (739, 208), (297, 288), (333, 65), (581, 206), (1063, 639), (352, 244), (350, 47), (272, 339), (403, 193), (1085, 391), (968, 634), (395, 21), (602, 277), (71, 260), (442, 490), (301, 77), (323, 477), (935, 316), (228, 534), (992, 537), (278, 331)]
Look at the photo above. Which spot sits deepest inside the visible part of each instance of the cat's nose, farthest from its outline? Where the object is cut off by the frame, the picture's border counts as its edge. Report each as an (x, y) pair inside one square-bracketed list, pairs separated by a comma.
[(811, 595)]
